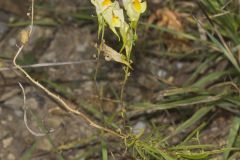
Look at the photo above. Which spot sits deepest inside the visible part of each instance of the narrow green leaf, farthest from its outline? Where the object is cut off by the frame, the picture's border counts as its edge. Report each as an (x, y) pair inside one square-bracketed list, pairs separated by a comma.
[(232, 135), (201, 68), (228, 54), (27, 155), (203, 154), (193, 133), (157, 153), (176, 91), (149, 107), (210, 78), (191, 147), (166, 156), (196, 117), (194, 156), (104, 151)]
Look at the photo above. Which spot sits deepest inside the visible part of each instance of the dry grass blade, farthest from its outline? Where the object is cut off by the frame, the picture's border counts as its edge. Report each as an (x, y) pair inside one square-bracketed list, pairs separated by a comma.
[(39, 65)]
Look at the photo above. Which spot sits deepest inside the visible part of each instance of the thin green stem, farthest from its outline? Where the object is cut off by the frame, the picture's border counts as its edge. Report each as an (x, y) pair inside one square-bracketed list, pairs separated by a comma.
[(99, 95), (123, 107)]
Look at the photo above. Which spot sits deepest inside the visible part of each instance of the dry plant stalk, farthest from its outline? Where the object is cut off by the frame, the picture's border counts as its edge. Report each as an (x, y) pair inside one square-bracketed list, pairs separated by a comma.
[(25, 116), (63, 104)]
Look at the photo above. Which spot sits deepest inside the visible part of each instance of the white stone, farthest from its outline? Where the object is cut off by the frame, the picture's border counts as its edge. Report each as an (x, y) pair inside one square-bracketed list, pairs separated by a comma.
[(139, 127), (11, 157), (7, 142)]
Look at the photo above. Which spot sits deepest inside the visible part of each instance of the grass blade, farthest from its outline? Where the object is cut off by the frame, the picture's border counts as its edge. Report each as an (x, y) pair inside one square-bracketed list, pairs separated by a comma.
[(210, 78), (196, 117), (27, 155), (149, 107), (104, 151), (226, 52), (232, 136)]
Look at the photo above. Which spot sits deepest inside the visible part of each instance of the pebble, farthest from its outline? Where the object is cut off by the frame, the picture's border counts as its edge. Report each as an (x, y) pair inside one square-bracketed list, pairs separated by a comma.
[(139, 127), (11, 157), (3, 122), (162, 73), (14, 103), (10, 118), (7, 142), (179, 65), (82, 47), (44, 144), (33, 104), (18, 113), (12, 42), (4, 132)]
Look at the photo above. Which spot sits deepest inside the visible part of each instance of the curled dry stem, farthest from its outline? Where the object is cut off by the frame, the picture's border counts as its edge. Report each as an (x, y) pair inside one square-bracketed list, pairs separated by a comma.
[(63, 104), (25, 116)]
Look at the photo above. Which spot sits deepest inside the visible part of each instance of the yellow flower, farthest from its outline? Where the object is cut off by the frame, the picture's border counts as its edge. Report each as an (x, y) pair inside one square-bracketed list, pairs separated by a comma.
[(114, 17), (134, 8), (137, 6), (115, 20), (106, 3), (101, 5)]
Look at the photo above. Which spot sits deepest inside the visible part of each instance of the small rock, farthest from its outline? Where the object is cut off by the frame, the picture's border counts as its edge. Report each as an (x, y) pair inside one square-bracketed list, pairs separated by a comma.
[(7, 142), (54, 122), (11, 157), (12, 42), (4, 132), (14, 103), (139, 127), (18, 113), (32, 103), (179, 65), (3, 122), (82, 47), (44, 144), (10, 118), (162, 73)]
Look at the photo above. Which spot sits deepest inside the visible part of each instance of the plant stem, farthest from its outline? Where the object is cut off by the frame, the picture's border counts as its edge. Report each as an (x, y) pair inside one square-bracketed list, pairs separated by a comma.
[(123, 108)]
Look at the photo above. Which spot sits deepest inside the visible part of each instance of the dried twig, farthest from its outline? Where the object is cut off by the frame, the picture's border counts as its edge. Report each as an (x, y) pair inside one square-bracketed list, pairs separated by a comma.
[(54, 64), (25, 116)]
